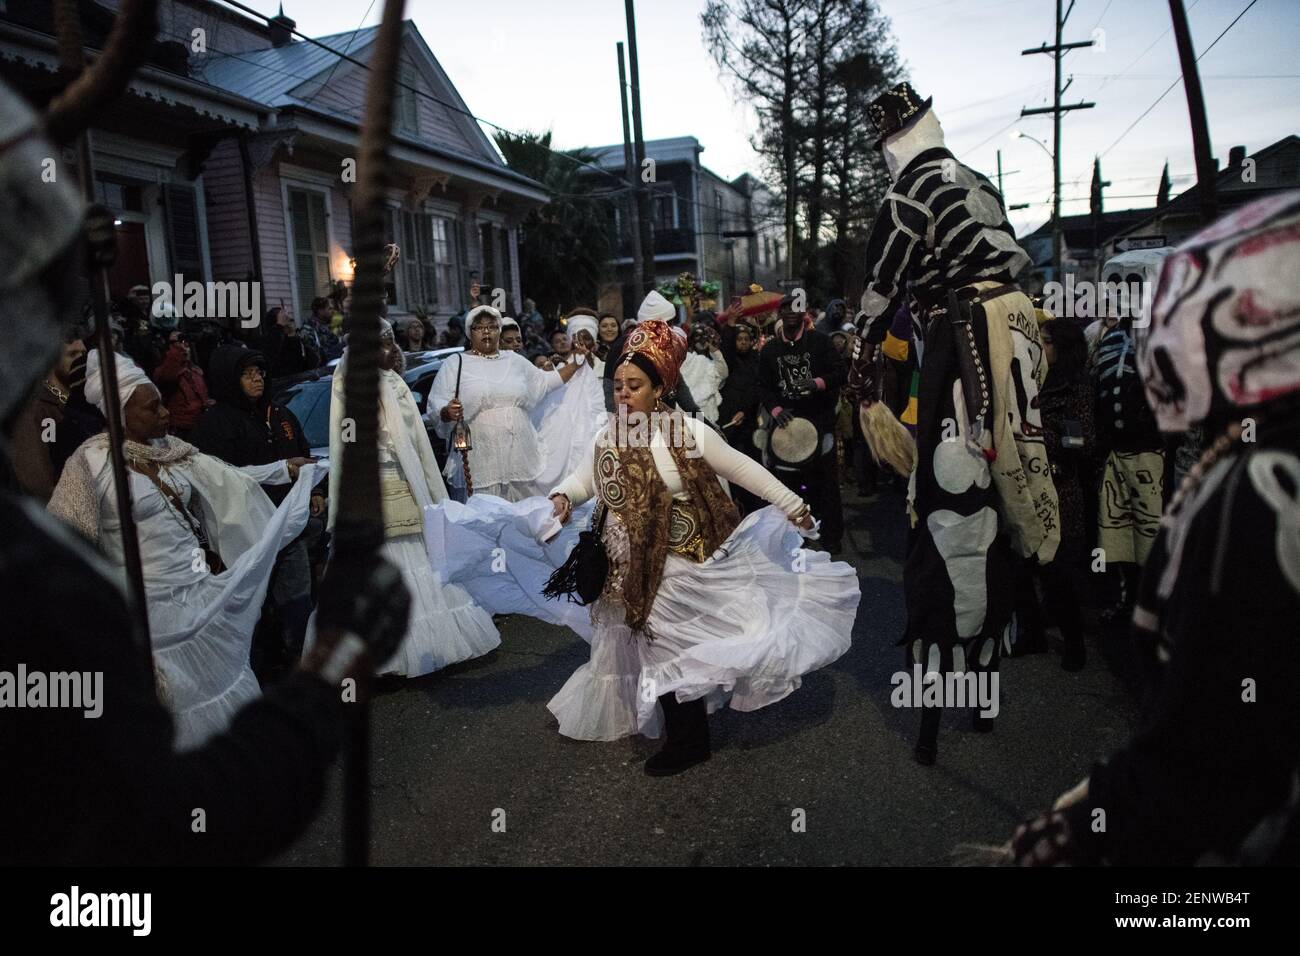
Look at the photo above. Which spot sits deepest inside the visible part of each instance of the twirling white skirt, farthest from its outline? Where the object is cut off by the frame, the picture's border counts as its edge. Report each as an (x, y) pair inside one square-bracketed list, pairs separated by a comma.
[(202, 630), (741, 628), (446, 626)]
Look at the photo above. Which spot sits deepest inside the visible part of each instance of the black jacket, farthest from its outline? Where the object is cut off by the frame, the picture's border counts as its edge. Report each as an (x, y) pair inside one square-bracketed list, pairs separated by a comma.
[(743, 389), (782, 364), (241, 432), (110, 789)]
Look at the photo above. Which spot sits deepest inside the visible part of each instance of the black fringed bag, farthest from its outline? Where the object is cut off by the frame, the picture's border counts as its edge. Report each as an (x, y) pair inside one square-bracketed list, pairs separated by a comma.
[(581, 578)]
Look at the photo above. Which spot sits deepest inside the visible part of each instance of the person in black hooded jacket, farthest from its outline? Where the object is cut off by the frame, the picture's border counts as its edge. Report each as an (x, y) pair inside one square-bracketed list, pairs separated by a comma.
[(244, 427)]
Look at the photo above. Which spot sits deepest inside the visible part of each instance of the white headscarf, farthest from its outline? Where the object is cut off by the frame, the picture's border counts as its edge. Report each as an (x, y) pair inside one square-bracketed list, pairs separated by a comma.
[(579, 322), (481, 310), (509, 323), (129, 377), (656, 306)]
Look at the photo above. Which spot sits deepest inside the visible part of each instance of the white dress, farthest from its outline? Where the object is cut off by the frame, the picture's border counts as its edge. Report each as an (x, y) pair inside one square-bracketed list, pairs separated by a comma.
[(704, 376), (446, 626), (497, 395), (201, 624), (742, 627)]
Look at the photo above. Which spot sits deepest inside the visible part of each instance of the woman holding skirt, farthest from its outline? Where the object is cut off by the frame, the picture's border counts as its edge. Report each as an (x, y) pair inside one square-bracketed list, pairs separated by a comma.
[(698, 608), (208, 537), (445, 626)]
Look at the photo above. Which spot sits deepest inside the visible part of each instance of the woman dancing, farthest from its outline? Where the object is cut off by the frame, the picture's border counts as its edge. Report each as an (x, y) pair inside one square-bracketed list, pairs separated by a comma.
[(698, 607), (208, 540)]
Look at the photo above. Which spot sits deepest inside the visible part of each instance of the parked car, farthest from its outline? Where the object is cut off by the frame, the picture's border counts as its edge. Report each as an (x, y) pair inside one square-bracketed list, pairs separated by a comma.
[(310, 400)]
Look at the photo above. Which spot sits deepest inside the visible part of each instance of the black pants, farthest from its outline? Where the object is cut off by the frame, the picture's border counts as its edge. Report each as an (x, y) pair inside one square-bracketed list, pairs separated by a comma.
[(819, 486)]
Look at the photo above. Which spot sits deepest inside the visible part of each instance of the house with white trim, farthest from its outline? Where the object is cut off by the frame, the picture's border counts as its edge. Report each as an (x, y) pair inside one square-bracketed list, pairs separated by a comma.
[(231, 157)]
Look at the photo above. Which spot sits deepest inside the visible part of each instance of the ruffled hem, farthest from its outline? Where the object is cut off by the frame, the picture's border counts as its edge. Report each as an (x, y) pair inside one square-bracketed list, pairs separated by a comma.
[(199, 723), (446, 626), (741, 629), (594, 707)]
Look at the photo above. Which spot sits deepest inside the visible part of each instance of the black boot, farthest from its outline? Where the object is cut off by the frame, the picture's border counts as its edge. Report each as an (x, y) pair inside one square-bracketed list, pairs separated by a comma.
[(927, 741), (687, 728), (1075, 654)]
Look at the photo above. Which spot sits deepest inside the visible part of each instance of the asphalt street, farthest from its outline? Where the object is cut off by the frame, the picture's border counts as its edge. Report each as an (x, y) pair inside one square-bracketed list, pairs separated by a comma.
[(468, 766)]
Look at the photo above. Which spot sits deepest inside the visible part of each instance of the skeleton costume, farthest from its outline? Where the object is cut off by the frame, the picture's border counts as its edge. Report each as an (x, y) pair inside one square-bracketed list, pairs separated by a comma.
[(201, 617), (981, 487), (699, 607), (1220, 595)]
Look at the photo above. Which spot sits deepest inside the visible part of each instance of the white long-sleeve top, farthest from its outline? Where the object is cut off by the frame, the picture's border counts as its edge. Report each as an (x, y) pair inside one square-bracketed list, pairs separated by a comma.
[(729, 464)]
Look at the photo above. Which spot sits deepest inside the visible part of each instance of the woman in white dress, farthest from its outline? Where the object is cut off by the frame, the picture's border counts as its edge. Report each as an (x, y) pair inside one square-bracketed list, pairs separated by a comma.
[(497, 390), (208, 540), (445, 626), (699, 607)]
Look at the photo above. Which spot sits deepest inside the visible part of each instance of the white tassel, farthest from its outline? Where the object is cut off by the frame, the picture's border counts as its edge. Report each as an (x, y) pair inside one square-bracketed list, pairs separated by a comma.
[(887, 437)]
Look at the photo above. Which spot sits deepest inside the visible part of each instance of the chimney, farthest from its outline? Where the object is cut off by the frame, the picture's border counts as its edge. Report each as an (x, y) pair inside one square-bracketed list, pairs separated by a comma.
[(1236, 156), (281, 29)]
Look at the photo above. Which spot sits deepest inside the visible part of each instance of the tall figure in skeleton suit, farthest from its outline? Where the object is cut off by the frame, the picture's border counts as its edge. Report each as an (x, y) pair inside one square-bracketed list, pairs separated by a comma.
[(980, 490)]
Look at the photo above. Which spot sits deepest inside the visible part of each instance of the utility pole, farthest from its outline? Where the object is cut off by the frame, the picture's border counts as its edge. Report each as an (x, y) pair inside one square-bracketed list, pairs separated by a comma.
[(1056, 110), (643, 189), (1206, 174), (630, 168), (1000, 192)]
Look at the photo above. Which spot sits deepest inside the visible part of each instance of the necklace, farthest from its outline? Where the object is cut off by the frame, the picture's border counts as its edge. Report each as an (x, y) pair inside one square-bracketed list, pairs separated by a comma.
[(57, 392), (494, 355)]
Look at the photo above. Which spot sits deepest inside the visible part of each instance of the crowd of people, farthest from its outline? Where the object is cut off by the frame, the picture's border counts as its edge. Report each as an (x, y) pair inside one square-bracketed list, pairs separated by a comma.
[(1023, 451)]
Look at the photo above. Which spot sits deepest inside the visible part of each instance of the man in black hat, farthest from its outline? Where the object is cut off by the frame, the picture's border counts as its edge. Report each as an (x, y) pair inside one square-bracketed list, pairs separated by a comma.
[(801, 375), (980, 488)]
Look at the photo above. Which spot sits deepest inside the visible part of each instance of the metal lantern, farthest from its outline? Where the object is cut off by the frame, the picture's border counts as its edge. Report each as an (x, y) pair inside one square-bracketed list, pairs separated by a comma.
[(460, 437)]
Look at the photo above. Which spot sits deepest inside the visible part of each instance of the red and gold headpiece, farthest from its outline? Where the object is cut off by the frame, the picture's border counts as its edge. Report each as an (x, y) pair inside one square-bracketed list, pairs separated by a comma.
[(659, 344)]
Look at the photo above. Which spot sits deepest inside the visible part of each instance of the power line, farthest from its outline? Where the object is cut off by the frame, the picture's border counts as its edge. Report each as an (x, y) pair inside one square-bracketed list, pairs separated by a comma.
[(406, 86), (1177, 81)]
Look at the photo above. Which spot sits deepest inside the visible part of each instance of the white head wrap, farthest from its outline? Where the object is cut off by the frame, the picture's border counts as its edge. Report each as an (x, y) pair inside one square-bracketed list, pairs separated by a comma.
[(656, 306), (577, 323), (129, 377), (481, 310), (508, 323)]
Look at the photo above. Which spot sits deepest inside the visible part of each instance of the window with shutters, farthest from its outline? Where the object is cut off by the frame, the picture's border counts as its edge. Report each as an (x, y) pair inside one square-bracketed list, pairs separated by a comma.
[(183, 242), (487, 243), (310, 242), (405, 108), (427, 264)]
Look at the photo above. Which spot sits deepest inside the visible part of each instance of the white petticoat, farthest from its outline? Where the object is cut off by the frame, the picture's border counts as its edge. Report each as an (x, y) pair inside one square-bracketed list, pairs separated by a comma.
[(446, 625), (742, 627)]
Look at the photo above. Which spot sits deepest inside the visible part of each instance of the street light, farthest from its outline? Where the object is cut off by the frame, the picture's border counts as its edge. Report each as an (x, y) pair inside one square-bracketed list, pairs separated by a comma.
[(1056, 205), (1018, 134)]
